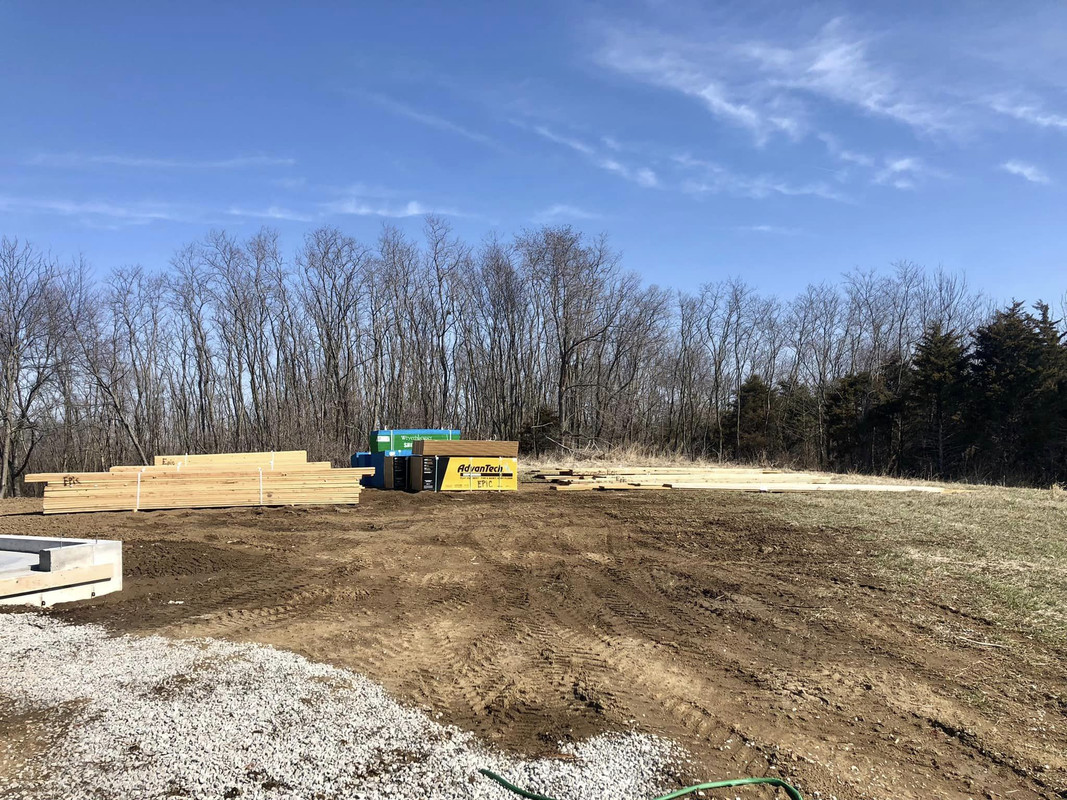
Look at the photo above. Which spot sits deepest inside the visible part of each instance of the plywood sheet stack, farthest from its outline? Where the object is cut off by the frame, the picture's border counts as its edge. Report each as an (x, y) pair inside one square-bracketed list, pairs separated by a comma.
[(463, 465), (715, 478), (486, 448), (279, 458), (203, 481)]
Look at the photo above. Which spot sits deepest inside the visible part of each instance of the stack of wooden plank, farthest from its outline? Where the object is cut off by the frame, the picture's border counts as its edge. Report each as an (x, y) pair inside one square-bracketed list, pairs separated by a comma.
[(463, 465), (721, 478), (489, 448), (203, 481), (279, 458)]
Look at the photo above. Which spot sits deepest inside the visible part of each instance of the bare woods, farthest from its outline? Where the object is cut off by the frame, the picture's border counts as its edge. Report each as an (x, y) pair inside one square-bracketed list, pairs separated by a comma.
[(242, 344)]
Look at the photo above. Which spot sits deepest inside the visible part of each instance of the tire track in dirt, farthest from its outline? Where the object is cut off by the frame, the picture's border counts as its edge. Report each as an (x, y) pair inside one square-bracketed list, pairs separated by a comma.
[(240, 624), (537, 617)]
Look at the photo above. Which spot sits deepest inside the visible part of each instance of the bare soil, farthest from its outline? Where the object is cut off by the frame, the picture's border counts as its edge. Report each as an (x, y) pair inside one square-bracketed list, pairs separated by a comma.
[(777, 634)]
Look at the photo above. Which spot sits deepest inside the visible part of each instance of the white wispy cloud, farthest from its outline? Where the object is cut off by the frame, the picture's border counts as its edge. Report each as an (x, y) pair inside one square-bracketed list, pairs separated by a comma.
[(429, 120), (565, 211), (838, 65), (774, 230), (271, 212), (135, 213), (678, 65), (291, 184), (1032, 113), (709, 177), (364, 207), (368, 190), (566, 141), (906, 173), (115, 214), (766, 88), (642, 176), (699, 176), (82, 160), (1030, 172), (839, 151)]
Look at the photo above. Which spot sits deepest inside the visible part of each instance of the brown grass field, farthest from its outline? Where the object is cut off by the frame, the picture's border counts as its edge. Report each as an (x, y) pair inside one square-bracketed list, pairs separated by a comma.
[(865, 646)]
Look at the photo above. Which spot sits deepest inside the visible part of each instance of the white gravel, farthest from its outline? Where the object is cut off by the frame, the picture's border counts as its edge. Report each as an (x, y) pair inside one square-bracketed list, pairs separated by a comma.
[(155, 717)]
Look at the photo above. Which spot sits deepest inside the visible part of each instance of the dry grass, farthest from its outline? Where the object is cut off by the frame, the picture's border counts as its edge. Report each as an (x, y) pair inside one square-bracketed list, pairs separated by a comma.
[(635, 455), (1000, 552), (641, 457), (618, 456)]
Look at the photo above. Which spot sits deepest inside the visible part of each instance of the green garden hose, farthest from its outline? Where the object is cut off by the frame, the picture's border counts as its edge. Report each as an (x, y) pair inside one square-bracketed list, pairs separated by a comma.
[(789, 790)]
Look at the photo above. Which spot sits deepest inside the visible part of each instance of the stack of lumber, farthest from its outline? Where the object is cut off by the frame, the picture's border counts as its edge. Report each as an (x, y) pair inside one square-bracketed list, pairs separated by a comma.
[(280, 458), (203, 481), (466, 447), (721, 478)]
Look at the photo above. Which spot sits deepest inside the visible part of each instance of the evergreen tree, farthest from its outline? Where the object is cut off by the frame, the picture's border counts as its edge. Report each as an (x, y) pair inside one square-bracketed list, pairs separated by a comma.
[(934, 401), (540, 433), (753, 416), (797, 422), (1045, 440), (846, 408), (1015, 381), (862, 415)]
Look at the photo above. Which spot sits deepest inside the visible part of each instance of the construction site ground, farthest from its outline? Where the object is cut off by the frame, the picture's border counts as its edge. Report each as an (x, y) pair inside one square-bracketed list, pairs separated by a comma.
[(864, 646)]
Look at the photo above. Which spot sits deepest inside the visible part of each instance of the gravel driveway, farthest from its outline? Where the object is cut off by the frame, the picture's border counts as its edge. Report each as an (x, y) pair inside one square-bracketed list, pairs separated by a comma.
[(149, 717)]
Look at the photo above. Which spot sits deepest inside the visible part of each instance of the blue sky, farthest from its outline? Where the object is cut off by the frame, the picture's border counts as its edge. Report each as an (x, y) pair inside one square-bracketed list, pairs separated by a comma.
[(783, 142)]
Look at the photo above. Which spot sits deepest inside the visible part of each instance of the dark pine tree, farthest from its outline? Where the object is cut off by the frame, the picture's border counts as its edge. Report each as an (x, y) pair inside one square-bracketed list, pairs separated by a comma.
[(1014, 384), (864, 414), (848, 404), (753, 417), (934, 403), (1046, 439), (796, 421)]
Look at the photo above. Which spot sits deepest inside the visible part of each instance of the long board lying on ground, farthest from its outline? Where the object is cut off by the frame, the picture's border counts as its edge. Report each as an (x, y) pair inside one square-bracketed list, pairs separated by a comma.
[(262, 459), (202, 467), (238, 479), (38, 571), (205, 471), (736, 479)]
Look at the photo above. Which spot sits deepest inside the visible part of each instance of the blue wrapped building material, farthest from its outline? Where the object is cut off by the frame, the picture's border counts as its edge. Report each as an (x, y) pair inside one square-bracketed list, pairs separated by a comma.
[(399, 439), (390, 469)]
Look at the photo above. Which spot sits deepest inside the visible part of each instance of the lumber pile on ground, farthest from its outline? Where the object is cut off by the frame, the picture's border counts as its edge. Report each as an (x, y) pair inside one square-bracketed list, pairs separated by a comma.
[(488, 448), (203, 481), (737, 479), (271, 460)]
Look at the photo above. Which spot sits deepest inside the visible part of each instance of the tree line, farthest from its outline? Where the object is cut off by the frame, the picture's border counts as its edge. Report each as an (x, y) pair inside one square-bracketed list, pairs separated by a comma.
[(543, 337)]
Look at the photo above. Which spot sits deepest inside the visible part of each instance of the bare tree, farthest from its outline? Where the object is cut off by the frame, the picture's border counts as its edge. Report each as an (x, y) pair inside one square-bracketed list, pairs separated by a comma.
[(29, 344), (237, 345), (100, 348)]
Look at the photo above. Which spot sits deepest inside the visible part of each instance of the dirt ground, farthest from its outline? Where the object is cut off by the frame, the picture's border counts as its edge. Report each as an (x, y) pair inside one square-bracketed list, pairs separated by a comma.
[(823, 638)]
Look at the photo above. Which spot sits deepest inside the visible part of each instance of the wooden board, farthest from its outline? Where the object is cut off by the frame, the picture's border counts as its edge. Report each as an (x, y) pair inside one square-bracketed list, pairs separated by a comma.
[(257, 459), (750, 487), (695, 478), (206, 475), (42, 581), (810, 487), (202, 497), (237, 480), (466, 447), (689, 470), (221, 467), (588, 487)]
